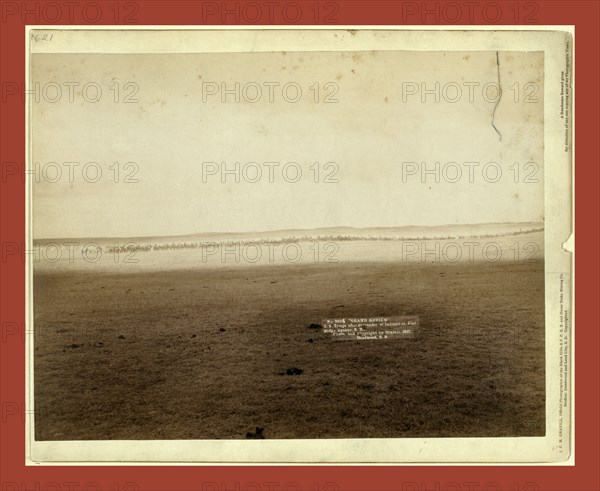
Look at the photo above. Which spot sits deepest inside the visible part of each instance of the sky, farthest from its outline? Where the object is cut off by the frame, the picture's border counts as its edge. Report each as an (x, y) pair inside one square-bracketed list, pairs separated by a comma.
[(377, 139)]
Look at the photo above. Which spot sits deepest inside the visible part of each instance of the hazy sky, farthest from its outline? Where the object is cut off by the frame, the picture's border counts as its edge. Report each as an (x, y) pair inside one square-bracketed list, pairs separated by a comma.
[(368, 134)]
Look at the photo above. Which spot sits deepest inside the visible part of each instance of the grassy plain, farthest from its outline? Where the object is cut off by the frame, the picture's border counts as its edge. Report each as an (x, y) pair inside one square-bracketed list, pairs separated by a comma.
[(202, 353)]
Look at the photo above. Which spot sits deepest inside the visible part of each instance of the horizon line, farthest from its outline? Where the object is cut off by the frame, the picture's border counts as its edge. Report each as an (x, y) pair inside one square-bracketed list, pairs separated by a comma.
[(107, 237)]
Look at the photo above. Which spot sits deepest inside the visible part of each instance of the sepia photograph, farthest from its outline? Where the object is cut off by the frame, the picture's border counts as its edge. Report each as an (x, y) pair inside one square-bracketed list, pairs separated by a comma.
[(310, 237)]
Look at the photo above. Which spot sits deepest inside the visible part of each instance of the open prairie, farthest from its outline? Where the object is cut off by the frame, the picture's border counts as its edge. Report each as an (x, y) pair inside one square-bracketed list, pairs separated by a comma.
[(202, 352)]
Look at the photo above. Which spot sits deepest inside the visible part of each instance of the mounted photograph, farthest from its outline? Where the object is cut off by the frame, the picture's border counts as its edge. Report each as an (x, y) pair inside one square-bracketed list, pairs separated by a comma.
[(299, 245)]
